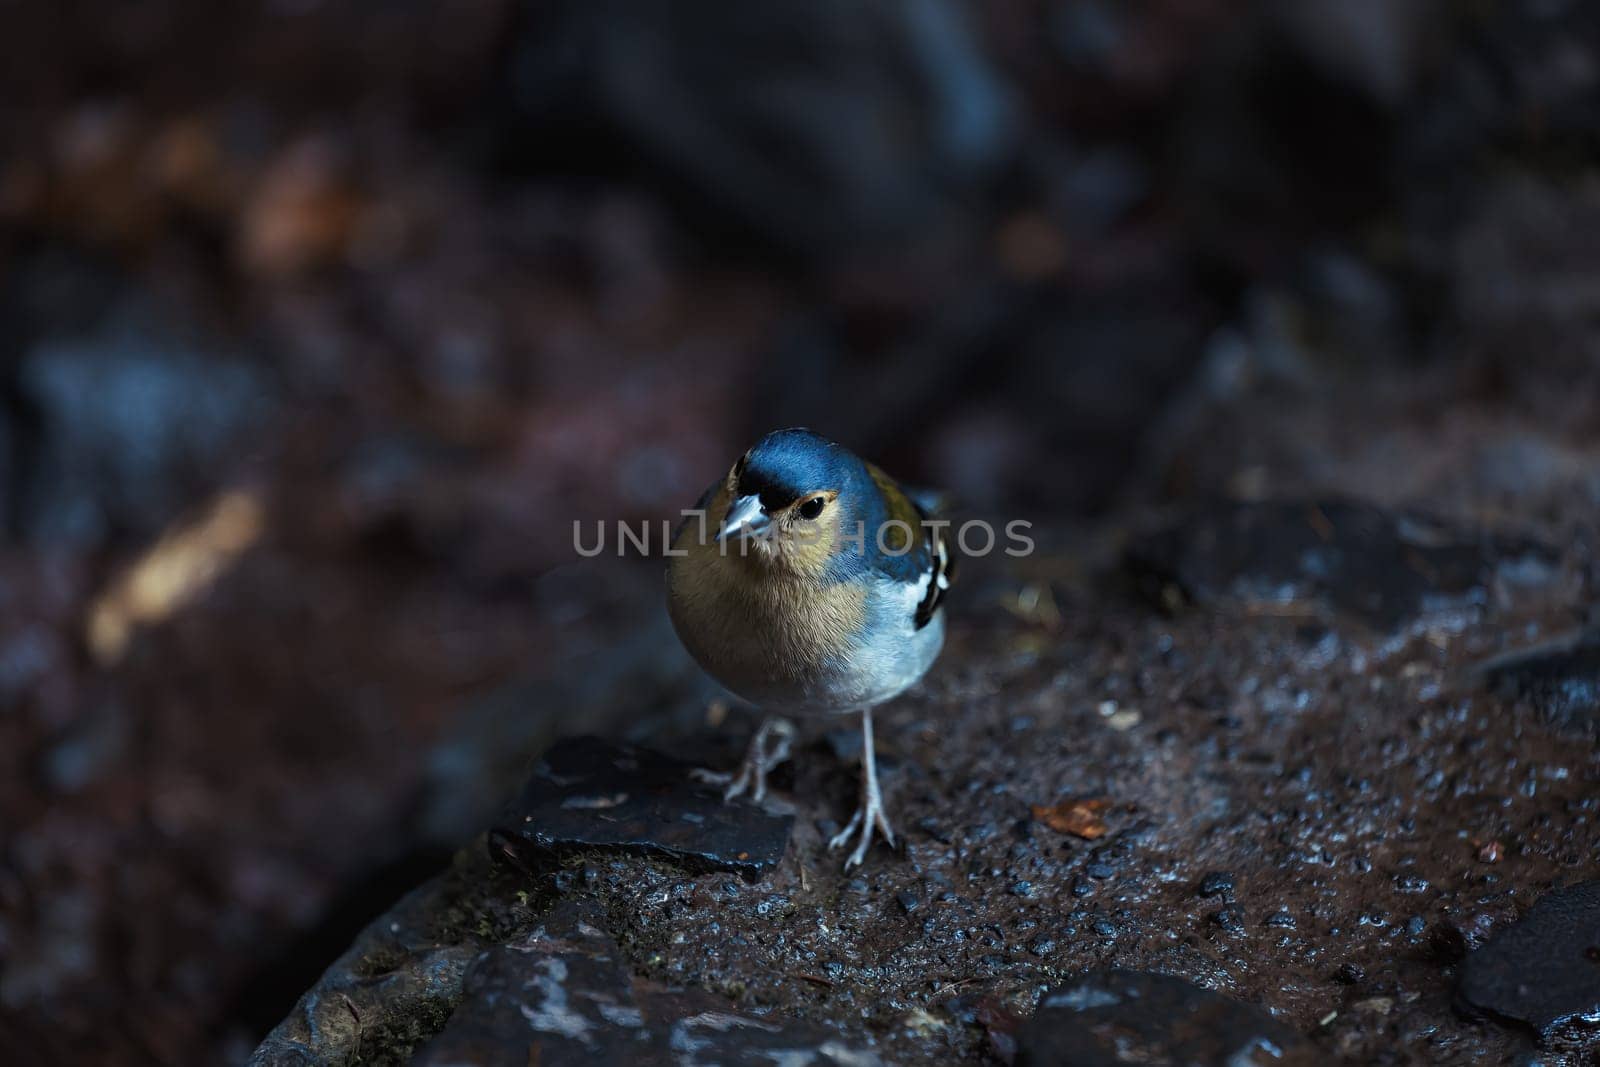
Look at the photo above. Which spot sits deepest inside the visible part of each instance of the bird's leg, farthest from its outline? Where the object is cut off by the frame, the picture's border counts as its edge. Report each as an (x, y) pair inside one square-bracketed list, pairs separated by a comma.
[(768, 748), (870, 813)]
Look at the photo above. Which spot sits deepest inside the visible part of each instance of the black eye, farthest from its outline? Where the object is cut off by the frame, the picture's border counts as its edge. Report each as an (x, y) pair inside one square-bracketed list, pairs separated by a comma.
[(812, 508)]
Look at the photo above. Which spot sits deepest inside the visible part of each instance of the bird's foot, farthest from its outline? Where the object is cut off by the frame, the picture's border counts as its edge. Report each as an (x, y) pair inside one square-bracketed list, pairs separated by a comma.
[(869, 815), (768, 749)]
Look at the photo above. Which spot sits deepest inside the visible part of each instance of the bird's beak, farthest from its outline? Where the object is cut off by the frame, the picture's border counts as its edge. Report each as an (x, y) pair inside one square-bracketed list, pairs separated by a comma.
[(745, 516)]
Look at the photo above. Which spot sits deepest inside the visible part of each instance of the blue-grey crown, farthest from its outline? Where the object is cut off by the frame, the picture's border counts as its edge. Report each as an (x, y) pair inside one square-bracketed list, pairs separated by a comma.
[(787, 463)]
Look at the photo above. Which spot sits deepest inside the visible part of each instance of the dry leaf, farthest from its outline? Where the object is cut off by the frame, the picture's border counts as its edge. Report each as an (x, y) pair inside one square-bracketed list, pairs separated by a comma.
[(1081, 818)]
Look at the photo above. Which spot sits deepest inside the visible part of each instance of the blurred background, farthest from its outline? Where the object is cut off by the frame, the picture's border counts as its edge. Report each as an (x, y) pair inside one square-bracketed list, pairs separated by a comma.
[(322, 322)]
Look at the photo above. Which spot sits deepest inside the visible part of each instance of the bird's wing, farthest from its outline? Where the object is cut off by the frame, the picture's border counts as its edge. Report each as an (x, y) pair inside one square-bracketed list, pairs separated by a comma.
[(926, 561)]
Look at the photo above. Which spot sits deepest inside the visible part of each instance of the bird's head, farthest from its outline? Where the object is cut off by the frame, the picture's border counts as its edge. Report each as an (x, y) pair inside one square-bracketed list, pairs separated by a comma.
[(792, 498)]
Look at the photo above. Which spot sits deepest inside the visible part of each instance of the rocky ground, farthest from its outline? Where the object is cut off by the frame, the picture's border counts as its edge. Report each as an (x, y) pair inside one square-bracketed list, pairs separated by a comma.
[(1294, 779)]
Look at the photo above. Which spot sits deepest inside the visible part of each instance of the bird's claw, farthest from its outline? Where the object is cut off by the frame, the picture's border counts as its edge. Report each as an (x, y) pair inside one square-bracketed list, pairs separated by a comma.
[(869, 815), (759, 761), (735, 784)]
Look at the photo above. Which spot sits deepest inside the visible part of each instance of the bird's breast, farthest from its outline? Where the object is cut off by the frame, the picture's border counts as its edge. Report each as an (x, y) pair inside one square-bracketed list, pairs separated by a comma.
[(778, 640)]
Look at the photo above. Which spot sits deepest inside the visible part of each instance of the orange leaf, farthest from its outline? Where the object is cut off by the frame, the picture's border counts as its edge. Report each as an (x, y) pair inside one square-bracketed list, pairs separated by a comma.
[(1080, 818)]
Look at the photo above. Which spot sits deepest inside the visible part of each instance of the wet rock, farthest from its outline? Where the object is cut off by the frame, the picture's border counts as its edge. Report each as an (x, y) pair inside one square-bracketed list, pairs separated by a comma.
[(1230, 918), (1467, 931), (1217, 883), (1334, 555), (1545, 969), (588, 795), (1120, 1017), (1561, 678), (565, 994), (395, 985)]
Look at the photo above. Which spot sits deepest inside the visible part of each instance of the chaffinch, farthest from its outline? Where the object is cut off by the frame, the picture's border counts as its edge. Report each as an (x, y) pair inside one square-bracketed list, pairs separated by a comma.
[(808, 582)]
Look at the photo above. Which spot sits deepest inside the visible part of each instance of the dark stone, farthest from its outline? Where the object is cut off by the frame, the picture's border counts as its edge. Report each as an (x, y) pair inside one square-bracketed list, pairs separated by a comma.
[(565, 994), (1561, 678), (1230, 918), (589, 795), (1351, 974), (1466, 932), (1216, 883), (1344, 556), (1545, 969), (1123, 1017), (908, 901), (397, 982)]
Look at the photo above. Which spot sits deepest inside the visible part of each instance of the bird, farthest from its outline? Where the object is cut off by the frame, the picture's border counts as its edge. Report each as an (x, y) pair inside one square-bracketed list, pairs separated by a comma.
[(806, 581)]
